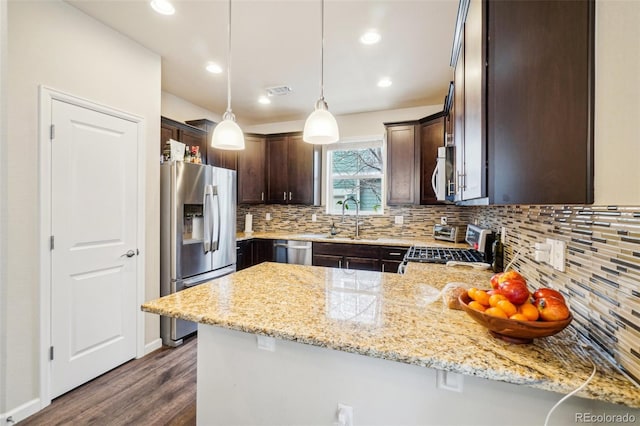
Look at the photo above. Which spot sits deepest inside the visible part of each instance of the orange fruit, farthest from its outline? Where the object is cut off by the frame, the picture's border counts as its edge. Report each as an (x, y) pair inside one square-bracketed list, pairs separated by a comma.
[(472, 292), (508, 307), (495, 298), (477, 306), (496, 312), (518, 317), (482, 297), (529, 311)]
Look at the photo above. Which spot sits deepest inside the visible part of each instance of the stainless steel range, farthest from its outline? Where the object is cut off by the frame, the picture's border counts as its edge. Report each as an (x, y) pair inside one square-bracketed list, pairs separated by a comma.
[(479, 250)]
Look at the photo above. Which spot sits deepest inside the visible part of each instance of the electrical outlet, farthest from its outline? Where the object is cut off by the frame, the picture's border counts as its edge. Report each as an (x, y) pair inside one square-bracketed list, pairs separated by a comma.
[(503, 235), (314, 218), (399, 220), (557, 255), (268, 216), (443, 220), (449, 381)]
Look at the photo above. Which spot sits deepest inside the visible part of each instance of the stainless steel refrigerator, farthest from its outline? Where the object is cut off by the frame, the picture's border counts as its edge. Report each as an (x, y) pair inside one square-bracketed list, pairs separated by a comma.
[(197, 233)]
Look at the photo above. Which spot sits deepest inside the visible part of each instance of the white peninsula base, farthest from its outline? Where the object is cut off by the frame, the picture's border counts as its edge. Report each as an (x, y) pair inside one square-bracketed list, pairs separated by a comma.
[(299, 384)]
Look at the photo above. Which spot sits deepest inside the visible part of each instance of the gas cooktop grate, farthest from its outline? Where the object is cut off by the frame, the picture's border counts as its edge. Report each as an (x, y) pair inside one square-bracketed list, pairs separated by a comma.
[(442, 255)]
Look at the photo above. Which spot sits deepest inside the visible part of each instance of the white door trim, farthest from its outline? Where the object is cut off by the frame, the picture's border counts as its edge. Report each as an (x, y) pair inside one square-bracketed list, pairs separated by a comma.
[(46, 97)]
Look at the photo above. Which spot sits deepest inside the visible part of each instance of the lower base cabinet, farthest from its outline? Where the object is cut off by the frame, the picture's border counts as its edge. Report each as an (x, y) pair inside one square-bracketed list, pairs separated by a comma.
[(358, 256), (253, 252)]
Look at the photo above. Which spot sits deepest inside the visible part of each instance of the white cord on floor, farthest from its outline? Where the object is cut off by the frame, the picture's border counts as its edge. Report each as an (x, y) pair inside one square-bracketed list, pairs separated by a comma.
[(578, 389)]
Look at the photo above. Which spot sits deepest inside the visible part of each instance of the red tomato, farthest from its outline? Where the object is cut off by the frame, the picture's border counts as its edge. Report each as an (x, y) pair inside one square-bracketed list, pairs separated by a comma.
[(494, 280), (515, 291), (552, 309), (548, 292)]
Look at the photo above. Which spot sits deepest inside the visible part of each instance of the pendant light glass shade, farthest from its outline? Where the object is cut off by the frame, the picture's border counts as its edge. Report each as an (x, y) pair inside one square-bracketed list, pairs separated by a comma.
[(227, 134), (321, 127)]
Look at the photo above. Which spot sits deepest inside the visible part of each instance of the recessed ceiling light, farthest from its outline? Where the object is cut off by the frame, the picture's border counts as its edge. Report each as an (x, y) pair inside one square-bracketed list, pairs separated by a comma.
[(264, 100), (384, 82), (370, 37), (163, 7), (214, 68)]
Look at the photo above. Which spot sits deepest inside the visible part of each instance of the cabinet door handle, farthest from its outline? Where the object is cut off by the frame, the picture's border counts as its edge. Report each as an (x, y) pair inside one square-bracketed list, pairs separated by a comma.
[(395, 253), (285, 196), (347, 264), (383, 267), (262, 196), (340, 264), (289, 196)]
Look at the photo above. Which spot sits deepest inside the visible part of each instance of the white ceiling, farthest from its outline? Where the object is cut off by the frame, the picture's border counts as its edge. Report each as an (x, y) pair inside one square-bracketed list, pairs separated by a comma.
[(278, 43)]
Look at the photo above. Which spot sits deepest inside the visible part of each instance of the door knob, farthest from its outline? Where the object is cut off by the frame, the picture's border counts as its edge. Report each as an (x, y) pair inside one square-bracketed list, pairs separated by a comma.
[(130, 253)]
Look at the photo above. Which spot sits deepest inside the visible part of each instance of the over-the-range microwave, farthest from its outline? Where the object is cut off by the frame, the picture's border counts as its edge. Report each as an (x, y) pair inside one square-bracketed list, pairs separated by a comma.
[(442, 179)]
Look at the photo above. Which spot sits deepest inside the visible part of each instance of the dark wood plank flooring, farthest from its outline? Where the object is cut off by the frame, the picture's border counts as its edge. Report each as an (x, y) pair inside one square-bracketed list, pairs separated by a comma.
[(158, 389)]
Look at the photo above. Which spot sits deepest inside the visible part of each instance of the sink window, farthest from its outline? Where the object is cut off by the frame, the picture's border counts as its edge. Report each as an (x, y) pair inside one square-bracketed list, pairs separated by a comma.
[(355, 169)]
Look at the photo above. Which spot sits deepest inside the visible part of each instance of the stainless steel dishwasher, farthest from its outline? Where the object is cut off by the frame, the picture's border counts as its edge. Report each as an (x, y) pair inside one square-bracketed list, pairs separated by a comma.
[(292, 251)]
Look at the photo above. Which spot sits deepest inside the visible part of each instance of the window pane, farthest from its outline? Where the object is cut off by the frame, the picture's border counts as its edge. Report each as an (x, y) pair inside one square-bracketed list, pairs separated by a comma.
[(370, 194), (357, 161)]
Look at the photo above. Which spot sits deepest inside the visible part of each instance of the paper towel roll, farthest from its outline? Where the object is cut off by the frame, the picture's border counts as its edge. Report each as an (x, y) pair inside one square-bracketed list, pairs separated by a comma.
[(248, 223)]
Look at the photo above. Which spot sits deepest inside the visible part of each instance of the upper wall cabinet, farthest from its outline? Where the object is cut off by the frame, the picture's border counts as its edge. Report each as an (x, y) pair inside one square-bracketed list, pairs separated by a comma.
[(524, 89), (412, 151), (215, 157), (252, 170), (293, 170)]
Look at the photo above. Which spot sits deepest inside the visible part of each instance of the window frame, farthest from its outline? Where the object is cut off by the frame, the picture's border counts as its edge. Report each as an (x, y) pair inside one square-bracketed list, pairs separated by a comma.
[(373, 141)]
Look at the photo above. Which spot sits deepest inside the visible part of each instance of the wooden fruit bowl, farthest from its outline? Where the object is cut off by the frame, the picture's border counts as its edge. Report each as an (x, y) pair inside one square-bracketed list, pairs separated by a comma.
[(513, 331)]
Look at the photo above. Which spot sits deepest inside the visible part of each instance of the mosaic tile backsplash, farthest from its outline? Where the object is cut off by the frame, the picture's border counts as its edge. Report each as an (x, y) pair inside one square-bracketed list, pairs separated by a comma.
[(602, 277)]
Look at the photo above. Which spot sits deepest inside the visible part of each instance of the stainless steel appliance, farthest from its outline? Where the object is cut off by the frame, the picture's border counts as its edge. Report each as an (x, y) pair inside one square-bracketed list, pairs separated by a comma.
[(442, 179), (452, 233), (290, 251), (197, 233), (479, 252)]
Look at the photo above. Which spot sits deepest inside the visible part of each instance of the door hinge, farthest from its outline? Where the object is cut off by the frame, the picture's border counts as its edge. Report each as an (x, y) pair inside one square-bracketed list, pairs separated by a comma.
[(51, 353), (52, 132), (52, 242)]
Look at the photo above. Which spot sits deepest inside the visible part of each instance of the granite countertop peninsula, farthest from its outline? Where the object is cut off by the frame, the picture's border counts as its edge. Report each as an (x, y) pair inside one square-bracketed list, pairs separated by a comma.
[(395, 317)]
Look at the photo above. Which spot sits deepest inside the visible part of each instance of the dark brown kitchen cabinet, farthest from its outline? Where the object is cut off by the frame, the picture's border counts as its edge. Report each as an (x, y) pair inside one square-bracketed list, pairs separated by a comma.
[(262, 251), (253, 252), (346, 256), (293, 168), (251, 170), (412, 150), (215, 157), (391, 258), (432, 137), (402, 163), (181, 132), (524, 132), (243, 254)]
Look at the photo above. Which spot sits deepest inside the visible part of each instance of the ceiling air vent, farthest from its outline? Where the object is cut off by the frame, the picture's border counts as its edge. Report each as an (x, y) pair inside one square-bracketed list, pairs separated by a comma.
[(278, 90)]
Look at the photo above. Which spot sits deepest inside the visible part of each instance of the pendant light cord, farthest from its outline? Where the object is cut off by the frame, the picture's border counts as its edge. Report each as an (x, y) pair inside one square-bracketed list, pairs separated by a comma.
[(322, 51), (229, 61)]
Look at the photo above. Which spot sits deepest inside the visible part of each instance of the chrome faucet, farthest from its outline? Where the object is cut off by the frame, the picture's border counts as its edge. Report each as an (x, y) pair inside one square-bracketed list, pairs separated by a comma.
[(344, 203)]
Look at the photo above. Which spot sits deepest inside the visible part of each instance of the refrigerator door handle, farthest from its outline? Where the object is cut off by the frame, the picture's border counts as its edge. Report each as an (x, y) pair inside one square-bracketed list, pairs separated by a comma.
[(215, 244), (207, 213)]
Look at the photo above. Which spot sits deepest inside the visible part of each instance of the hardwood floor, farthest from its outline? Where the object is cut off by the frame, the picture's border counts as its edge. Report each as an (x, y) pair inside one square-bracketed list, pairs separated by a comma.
[(159, 389)]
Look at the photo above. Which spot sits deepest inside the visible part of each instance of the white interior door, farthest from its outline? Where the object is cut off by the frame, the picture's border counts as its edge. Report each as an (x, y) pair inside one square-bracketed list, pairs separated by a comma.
[(93, 222)]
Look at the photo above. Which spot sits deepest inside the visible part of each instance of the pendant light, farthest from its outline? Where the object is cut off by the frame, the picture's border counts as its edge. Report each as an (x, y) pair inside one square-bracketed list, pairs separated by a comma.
[(321, 127), (227, 134)]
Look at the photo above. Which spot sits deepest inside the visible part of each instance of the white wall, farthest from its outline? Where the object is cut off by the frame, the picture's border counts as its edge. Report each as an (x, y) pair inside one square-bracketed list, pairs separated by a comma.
[(617, 103), (178, 109), (53, 44), (353, 125)]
